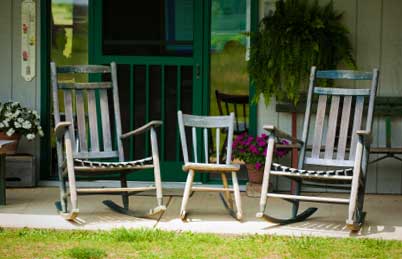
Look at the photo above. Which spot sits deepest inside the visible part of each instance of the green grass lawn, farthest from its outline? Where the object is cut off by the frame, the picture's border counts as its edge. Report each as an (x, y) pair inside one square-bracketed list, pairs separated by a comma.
[(121, 243)]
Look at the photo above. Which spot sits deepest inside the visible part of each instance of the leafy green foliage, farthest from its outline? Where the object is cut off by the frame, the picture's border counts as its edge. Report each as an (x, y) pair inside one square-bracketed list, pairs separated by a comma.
[(298, 35)]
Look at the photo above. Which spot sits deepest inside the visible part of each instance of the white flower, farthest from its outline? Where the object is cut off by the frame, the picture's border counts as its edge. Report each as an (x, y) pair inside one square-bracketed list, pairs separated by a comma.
[(8, 114), (1, 125), (17, 125), (26, 125), (30, 136), (20, 120), (5, 122), (17, 112), (40, 132), (14, 104), (10, 132)]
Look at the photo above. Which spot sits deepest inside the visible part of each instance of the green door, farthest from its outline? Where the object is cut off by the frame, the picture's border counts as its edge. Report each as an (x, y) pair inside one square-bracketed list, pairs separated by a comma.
[(158, 47)]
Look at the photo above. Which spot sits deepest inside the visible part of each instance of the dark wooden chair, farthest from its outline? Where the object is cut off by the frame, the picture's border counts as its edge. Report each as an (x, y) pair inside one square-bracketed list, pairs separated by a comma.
[(338, 163), (239, 104), (193, 163), (91, 134)]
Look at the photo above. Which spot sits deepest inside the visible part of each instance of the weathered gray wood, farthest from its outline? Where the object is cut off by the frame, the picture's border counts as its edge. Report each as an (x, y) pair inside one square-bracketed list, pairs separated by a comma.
[(211, 189), (68, 109), (206, 150), (85, 86), (329, 162), (93, 120), (93, 155), (205, 123), (332, 122), (312, 177), (357, 122), (211, 167), (104, 106), (309, 198), (83, 69), (344, 74), (81, 122), (195, 151), (91, 161), (319, 126), (341, 91), (343, 133), (116, 107)]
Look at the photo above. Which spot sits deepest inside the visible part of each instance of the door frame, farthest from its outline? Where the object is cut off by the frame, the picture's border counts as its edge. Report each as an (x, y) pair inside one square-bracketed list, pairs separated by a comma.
[(203, 56)]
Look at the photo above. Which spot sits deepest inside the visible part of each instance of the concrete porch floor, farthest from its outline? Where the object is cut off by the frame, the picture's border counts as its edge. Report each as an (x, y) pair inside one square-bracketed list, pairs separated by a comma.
[(34, 208)]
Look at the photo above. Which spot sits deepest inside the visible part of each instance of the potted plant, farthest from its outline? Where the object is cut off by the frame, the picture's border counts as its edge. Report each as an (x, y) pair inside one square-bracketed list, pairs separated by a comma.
[(17, 121), (297, 35), (252, 151)]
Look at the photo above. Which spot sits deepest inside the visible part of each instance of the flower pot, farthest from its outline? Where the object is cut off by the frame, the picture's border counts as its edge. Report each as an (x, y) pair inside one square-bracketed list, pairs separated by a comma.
[(254, 175), (10, 149)]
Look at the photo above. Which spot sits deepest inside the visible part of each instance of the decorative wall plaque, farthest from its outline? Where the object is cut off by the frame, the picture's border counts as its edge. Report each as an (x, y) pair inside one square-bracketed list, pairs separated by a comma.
[(28, 39)]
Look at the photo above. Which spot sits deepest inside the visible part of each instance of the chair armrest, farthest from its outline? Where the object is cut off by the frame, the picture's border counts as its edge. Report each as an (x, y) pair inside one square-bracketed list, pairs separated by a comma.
[(61, 128), (366, 135), (281, 134), (148, 126)]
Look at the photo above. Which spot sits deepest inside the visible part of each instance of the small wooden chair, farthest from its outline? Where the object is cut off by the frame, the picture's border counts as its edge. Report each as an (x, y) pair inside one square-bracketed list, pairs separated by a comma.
[(207, 124), (339, 162), (91, 135)]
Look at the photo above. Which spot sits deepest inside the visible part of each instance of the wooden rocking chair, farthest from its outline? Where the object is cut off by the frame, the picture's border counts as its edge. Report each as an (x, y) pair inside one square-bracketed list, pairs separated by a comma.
[(340, 167), (208, 123), (83, 149)]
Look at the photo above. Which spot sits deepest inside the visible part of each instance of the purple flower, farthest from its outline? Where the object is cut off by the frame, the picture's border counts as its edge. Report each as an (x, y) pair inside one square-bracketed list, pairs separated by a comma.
[(258, 165)]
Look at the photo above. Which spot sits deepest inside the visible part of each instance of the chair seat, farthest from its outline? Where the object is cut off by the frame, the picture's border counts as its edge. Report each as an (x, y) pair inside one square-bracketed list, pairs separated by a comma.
[(211, 167), (339, 174), (90, 165)]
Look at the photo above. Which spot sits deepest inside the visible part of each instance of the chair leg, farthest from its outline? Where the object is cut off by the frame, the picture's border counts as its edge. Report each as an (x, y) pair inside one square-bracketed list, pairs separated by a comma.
[(157, 175), (124, 196), (265, 180), (295, 206), (236, 190), (355, 215), (228, 195), (186, 194)]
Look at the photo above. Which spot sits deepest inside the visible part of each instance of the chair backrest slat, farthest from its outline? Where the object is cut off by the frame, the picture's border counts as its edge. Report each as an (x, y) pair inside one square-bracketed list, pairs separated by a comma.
[(338, 124), (343, 133), (218, 144), (357, 123), (87, 107), (206, 150), (194, 134), (104, 106), (205, 123), (68, 110), (319, 126), (81, 122), (93, 120), (332, 124)]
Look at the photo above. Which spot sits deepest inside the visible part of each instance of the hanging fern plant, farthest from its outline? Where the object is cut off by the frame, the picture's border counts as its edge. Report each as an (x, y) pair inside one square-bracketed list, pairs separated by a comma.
[(298, 35)]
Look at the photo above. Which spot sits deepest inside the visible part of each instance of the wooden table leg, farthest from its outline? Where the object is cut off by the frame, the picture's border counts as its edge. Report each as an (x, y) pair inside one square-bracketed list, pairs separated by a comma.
[(2, 179)]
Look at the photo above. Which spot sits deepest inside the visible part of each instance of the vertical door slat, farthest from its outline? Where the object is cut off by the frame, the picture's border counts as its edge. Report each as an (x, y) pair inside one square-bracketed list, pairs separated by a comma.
[(68, 109), (93, 121), (357, 122), (147, 68), (331, 133), (178, 106), (104, 106), (163, 104), (319, 125), (343, 133), (80, 99)]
